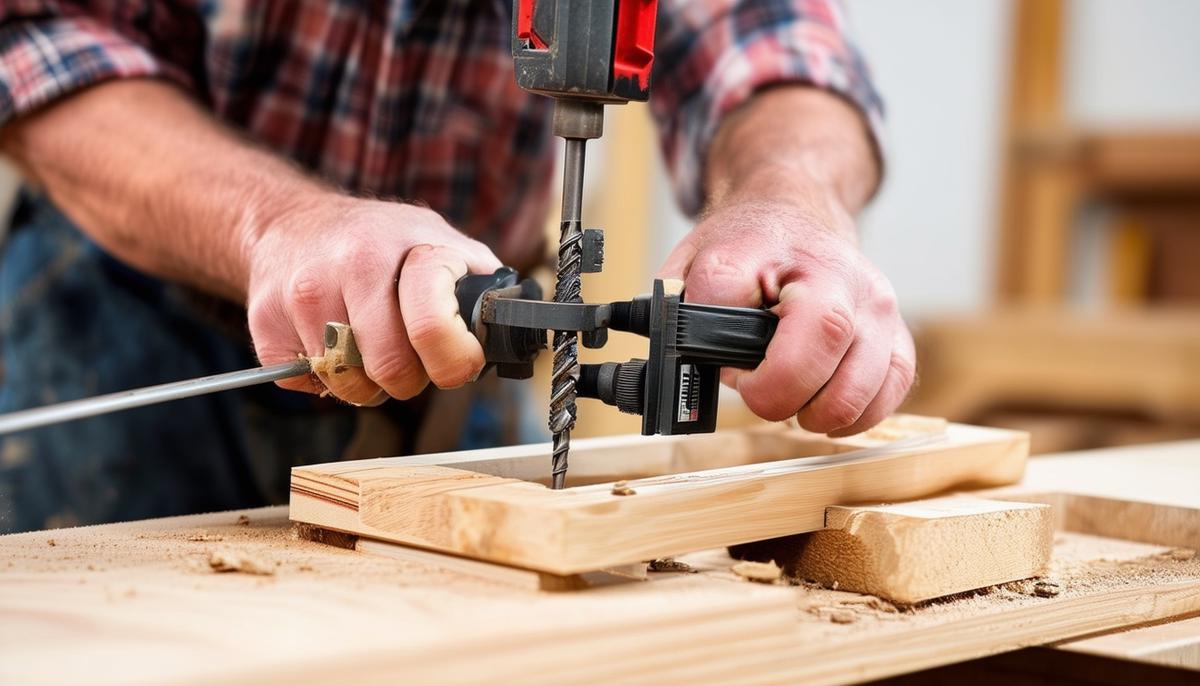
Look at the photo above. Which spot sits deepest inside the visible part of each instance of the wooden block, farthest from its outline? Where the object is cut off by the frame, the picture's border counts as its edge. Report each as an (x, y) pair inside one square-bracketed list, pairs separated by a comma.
[(683, 493), (911, 552)]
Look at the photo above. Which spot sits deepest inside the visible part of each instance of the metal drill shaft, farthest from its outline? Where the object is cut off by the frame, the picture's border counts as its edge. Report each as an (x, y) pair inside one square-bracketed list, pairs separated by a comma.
[(567, 289)]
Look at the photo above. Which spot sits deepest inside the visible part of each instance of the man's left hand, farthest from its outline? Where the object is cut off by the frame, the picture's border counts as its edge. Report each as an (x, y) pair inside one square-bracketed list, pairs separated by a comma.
[(784, 176)]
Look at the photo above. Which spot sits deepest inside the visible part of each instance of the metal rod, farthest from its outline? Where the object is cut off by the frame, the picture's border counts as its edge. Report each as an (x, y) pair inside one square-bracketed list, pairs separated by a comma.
[(138, 397)]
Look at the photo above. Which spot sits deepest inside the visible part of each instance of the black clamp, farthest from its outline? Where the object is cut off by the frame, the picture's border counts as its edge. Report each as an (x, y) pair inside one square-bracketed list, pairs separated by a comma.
[(674, 389)]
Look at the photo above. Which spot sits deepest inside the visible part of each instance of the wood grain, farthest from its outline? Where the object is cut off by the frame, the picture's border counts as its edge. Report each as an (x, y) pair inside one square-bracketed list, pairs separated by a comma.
[(912, 552), (689, 495)]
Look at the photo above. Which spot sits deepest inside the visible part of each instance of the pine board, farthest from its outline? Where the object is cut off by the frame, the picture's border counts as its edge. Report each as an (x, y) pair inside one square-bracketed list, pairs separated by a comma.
[(689, 493)]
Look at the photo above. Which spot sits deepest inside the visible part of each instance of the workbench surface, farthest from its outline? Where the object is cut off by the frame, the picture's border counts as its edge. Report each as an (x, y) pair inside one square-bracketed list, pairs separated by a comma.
[(141, 603)]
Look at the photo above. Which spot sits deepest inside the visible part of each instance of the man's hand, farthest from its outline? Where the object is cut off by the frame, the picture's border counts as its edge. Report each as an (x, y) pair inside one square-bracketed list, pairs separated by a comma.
[(172, 192), (388, 270), (784, 176)]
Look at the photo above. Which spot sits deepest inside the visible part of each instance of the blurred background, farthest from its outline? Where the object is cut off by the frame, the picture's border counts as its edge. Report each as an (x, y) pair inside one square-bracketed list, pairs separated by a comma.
[(1040, 218)]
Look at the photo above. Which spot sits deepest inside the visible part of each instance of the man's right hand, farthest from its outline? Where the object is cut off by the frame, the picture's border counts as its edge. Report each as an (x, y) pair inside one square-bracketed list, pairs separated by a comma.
[(387, 269), (173, 193)]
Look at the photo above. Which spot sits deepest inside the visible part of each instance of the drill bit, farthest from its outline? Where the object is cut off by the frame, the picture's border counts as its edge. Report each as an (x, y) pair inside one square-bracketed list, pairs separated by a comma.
[(567, 289)]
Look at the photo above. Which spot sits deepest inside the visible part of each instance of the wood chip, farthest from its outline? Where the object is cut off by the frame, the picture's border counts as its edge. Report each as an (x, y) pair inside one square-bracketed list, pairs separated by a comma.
[(669, 564), (1046, 589), (622, 488), (843, 615), (760, 572), (231, 561)]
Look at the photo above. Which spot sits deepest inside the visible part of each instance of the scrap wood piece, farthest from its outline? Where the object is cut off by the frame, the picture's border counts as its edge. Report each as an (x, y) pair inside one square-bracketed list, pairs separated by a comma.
[(912, 552)]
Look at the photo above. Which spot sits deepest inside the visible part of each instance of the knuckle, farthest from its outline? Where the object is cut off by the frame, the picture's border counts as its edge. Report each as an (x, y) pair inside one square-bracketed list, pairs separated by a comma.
[(837, 327), (773, 407), (400, 374), (456, 369), (306, 288), (427, 331), (885, 301), (709, 271), (836, 412)]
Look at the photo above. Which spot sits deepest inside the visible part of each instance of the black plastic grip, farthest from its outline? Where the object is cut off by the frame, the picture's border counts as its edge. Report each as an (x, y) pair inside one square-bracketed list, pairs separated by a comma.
[(725, 336)]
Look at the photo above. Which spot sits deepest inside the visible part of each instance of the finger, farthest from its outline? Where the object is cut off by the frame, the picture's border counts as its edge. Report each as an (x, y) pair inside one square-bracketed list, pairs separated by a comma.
[(901, 373), (314, 299), (275, 342), (449, 352), (855, 384), (389, 360), (722, 277), (816, 328)]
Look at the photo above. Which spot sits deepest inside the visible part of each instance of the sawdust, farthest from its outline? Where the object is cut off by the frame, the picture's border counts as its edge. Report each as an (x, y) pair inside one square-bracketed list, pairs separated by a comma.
[(759, 572), (1180, 554), (51, 542), (669, 564), (332, 362), (233, 561), (243, 520), (622, 488), (205, 537)]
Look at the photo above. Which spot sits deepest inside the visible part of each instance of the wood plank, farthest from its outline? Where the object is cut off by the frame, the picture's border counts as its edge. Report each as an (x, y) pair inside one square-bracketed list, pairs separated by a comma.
[(912, 552), (1176, 644), (1120, 361), (722, 489), (133, 598)]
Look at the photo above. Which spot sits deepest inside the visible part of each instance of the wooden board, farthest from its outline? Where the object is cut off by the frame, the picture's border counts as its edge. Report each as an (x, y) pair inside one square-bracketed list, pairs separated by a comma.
[(1175, 644), (686, 494), (138, 604), (913, 552)]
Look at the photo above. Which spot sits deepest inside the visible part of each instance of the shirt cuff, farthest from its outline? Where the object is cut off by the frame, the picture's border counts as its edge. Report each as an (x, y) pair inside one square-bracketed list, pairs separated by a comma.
[(42, 60), (794, 53)]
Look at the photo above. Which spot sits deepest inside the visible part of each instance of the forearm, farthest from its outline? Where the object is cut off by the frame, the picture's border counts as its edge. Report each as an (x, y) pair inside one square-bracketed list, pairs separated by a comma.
[(157, 181), (793, 142)]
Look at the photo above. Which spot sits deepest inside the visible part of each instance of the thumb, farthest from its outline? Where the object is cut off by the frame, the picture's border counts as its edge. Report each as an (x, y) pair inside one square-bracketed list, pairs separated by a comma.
[(721, 277)]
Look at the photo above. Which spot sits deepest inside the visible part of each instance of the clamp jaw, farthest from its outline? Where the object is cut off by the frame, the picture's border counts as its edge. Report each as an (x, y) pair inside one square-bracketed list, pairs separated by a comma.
[(674, 389)]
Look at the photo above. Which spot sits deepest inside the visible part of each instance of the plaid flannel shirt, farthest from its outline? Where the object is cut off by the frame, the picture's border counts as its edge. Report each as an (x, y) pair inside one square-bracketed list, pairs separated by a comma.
[(417, 100)]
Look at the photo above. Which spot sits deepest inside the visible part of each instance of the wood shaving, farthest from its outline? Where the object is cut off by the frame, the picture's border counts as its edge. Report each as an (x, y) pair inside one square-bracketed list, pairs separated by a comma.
[(760, 572), (332, 362), (622, 488), (231, 561)]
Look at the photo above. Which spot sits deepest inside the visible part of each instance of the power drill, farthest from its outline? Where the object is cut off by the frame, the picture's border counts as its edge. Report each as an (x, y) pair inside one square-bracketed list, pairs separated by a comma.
[(586, 54), (582, 53)]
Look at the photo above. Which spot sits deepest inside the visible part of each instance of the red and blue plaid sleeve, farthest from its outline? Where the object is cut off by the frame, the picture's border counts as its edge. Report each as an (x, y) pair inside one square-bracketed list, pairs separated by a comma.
[(712, 55), (50, 53)]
